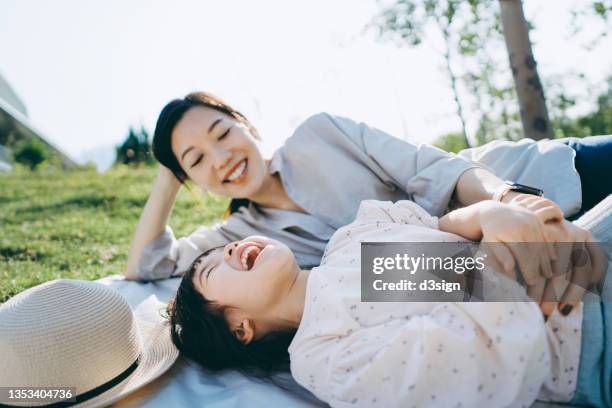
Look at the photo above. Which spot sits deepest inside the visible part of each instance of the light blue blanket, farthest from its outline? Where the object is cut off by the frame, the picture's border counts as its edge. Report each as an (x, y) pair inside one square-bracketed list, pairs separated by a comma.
[(185, 384)]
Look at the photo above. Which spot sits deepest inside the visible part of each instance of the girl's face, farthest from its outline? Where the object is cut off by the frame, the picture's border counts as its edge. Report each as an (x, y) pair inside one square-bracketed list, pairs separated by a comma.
[(252, 275), (218, 153)]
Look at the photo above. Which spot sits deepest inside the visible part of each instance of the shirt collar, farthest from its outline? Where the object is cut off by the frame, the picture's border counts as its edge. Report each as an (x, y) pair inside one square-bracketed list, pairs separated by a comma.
[(276, 163)]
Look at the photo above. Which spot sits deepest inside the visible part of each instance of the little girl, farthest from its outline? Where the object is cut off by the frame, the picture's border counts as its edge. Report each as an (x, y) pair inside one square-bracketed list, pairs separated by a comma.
[(251, 307)]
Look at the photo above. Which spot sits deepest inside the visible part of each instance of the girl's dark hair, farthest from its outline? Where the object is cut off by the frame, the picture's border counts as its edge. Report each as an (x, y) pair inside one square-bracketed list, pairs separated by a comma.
[(199, 330), (172, 113)]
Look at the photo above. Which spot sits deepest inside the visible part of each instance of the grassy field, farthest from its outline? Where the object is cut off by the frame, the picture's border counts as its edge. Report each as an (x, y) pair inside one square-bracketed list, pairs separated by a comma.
[(79, 224)]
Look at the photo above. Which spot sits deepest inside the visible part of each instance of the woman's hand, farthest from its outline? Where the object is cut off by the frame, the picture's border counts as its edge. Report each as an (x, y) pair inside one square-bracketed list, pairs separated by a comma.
[(581, 263), (510, 228), (558, 260), (153, 218), (545, 209), (167, 179)]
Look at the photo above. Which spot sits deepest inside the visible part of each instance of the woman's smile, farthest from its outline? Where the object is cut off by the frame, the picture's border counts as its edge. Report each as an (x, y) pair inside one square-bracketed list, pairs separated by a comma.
[(238, 173)]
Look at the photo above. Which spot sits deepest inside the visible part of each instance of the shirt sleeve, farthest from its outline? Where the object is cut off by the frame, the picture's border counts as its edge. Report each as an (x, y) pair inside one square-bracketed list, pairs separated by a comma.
[(166, 256), (461, 354), (545, 164), (425, 172)]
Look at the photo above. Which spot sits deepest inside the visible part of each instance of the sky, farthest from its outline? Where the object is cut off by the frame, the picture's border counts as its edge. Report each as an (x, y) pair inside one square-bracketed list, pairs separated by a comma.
[(86, 71)]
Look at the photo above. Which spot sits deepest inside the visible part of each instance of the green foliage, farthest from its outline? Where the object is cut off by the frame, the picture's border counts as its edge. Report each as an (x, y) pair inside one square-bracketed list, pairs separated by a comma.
[(79, 224), (405, 21), (31, 153), (603, 9), (598, 122), (596, 16), (136, 148), (474, 51), (452, 142)]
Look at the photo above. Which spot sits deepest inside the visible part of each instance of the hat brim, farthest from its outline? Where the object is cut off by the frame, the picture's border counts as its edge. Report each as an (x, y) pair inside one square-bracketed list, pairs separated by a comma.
[(157, 355)]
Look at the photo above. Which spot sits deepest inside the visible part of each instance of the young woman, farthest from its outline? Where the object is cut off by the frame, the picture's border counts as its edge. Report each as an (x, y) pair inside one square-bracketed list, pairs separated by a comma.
[(310, 187), (251, 307)]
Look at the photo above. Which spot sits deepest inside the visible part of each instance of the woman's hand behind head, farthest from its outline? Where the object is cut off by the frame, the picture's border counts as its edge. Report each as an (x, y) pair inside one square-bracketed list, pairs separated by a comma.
[(167, 179)]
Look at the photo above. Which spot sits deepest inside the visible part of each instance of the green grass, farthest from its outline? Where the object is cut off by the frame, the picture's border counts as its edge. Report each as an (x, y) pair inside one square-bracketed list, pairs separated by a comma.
[(79, 224)]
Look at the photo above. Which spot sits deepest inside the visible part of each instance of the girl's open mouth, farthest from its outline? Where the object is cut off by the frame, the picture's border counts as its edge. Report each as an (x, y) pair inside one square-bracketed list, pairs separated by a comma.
[(250, 255)]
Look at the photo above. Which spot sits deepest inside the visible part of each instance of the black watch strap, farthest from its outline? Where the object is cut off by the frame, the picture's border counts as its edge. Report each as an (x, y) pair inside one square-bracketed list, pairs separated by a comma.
[(519, 188)]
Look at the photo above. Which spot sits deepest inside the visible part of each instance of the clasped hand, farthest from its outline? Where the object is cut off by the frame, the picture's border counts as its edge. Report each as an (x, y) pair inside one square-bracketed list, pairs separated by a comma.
[(561, 262)]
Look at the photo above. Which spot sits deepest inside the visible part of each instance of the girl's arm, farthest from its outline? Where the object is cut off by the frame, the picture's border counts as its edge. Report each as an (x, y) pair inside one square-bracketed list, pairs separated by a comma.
[(463, 221), (154, 217), (492, 216), (493, 221)]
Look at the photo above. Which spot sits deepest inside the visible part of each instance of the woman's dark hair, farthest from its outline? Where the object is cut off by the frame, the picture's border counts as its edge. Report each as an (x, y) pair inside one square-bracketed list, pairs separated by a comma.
[(172, 113), (199, 330)]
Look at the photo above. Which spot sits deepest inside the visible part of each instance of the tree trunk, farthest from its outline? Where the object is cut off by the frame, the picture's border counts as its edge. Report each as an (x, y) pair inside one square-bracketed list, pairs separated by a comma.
[(532, 102)]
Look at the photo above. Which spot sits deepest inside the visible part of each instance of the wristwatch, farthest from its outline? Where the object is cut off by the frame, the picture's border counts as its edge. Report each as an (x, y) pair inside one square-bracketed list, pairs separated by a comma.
[(519, 188)]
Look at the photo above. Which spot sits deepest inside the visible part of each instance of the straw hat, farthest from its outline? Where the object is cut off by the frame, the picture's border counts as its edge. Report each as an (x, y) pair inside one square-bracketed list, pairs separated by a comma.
[(72, 333)]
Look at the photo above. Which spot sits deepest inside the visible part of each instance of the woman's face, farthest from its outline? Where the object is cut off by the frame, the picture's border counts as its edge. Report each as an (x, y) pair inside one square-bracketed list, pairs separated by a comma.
[(218, 153), (252, 275)]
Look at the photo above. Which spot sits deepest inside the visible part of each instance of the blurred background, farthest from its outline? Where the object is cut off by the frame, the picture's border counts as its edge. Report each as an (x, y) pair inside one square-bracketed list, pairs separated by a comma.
[(82, 83)]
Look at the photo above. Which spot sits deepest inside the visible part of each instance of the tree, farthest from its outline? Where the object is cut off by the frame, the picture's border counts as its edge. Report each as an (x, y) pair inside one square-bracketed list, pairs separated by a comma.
[(481, 47), (31, 153), (136, 148), (468, 29), (532, 102)]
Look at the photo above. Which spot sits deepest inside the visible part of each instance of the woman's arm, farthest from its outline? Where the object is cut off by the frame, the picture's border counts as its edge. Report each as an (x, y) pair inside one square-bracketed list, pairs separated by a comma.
[(478, 184), (431, 176), (154, 217)]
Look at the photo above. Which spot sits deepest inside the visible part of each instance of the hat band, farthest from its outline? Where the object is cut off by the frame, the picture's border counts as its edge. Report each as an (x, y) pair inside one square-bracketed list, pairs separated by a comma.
[(93, 392)]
